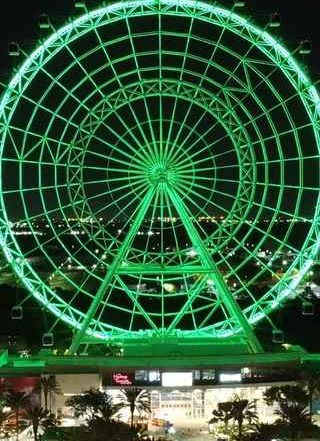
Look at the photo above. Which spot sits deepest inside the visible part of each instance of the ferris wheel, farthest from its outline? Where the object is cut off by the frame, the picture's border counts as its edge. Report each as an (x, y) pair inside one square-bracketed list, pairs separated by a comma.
[(160, 172)]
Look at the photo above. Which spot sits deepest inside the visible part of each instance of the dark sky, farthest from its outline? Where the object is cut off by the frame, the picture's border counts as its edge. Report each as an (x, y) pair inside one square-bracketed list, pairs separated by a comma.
[(300, 20)]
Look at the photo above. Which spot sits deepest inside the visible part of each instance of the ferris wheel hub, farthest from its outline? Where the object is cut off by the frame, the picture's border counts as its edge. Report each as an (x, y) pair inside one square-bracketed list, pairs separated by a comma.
[(162, 174)]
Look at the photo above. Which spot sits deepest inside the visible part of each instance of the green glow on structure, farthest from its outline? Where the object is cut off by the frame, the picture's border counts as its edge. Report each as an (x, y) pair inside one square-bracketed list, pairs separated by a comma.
[(166, 157)]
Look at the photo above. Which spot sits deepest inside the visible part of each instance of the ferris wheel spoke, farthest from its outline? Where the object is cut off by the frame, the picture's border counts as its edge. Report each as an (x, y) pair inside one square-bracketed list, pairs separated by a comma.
[(188, 147), (159, 154), (121, 86), (201, 208), (83, 130), (220, 192), (214, 51), (175, 105), (109, 180), (281, 104), (112, 147), (116, 190), (252, 120), (106, 157), (176, 148), (58, 269), (144, 252), (241, 62), (202, 198), (144, 151), (288, 160), (208, 147), (150, 147), (43, 244), (28, 190), (198, 87), (252, 143), (250, 254), (184, 187), (115, 202), (90, 112), (206, 201), (149, 151), (87, 74), (47, 213), (280, 212), (281, 246), (135, 150), (51, 112), (264, 78), (277, 135)]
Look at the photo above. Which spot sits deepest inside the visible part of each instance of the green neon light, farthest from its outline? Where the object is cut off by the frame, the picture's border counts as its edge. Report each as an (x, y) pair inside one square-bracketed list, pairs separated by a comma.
[(95, 120)]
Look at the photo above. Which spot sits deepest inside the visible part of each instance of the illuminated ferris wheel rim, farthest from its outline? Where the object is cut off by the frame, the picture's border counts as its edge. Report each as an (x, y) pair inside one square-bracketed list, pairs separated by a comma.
[(212, 14)]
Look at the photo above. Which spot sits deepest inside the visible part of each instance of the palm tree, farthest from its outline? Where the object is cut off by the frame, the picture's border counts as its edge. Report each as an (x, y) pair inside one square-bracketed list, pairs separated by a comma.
[(223, 414), (17, 401), (137, 400), (95, 405), (295, 415), (36, 415), (49, 387), (292, 406), (311, 382), (243, 410)]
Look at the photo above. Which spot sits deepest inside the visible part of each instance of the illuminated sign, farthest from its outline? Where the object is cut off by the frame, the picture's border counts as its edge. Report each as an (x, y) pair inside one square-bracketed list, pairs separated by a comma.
[(175, 379), (230, 377), (122, 379)]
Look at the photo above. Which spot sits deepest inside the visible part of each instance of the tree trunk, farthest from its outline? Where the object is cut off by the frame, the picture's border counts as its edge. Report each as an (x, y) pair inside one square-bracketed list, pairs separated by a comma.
[(35, 431), (132, 407), (131, 425), (17, 424), (45, 396), (240, 429)]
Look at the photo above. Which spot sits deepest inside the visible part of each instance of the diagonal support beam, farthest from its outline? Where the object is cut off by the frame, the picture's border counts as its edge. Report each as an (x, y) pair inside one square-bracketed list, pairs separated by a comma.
[(206, 259), (140, 214)]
